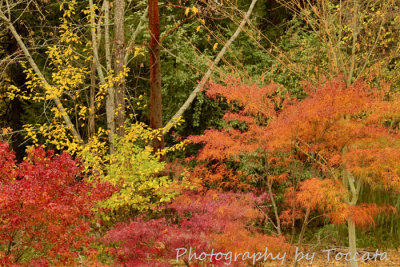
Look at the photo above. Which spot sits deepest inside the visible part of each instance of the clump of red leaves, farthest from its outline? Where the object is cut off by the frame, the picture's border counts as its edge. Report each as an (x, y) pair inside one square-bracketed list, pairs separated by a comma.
[(214, 220), (7, 164), (45, 211)]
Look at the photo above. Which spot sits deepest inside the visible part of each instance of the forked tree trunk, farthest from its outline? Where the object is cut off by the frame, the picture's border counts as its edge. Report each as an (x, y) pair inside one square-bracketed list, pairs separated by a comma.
[(354, 190), (119, 63), (155, 73)]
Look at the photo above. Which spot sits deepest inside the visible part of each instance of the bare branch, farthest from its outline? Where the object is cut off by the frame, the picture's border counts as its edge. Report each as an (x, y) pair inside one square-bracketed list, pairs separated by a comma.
[(131, 42), (206, 76)]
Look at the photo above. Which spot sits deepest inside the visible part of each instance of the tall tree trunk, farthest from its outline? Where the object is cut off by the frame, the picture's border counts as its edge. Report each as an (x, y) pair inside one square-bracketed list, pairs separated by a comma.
[(355, 31), (119, 54), (110, 100), (92, 127), (155, 73)]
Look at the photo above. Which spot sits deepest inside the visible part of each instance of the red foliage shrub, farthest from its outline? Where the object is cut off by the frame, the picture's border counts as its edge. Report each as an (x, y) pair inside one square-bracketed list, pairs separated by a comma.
[(7, 164), (220, 221), (45, 213)]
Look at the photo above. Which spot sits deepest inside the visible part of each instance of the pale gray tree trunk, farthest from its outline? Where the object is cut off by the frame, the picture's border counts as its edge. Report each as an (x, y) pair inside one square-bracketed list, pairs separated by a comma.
[(119, 63), (110, 99)]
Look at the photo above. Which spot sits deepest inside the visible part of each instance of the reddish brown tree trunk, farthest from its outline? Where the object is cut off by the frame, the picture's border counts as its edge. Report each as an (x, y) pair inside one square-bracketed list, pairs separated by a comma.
[(155, 73), (119, 54)]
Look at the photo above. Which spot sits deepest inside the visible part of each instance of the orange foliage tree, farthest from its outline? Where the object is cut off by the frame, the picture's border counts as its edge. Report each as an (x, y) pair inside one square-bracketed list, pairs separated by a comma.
[(348, 135), (241, 142)]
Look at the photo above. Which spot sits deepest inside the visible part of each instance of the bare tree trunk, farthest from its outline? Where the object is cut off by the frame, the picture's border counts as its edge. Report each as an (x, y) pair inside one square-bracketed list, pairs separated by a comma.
[(355, 190), (301, 236), (355, 30), (155, 73), (110, 99), (352, 242), (271, 196), (119, 54), (95, 65), (91, 124), (206, 76)]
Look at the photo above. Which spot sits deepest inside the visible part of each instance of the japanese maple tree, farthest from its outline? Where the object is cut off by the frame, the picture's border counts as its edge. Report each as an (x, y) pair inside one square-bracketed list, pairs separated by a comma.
[(348, 134), (242, 142)]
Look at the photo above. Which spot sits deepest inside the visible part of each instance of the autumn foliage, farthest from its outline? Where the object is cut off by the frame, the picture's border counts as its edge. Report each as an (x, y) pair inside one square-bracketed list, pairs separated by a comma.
[(275, 162), (308, 150), (339, 130), (45, 212), (321, 150), (220, 221), (344, 133)]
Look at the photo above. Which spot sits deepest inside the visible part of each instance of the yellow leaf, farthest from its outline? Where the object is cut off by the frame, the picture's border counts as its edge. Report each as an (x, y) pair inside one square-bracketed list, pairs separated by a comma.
[(215, 46), (187, 11), (198, 28)]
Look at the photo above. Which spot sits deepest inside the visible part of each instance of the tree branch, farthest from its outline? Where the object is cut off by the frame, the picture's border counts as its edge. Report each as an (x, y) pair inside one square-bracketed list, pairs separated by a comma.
[(94, 43), (176, 27), (207, 75), (131, 42), (36, 69)]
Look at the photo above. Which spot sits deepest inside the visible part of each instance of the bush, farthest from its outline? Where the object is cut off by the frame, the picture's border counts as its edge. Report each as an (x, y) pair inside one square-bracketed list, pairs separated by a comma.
[(45, 212), (138, 174), (220, 221)]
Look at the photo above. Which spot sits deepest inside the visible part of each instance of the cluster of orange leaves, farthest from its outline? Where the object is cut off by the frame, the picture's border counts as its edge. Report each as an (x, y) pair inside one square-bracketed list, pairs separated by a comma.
[(337, 128), (258, 105)]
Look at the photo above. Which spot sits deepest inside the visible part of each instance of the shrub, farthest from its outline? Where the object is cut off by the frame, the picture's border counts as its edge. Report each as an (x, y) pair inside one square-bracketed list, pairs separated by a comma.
[(138, 174), (45, 212), (214, 220)]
